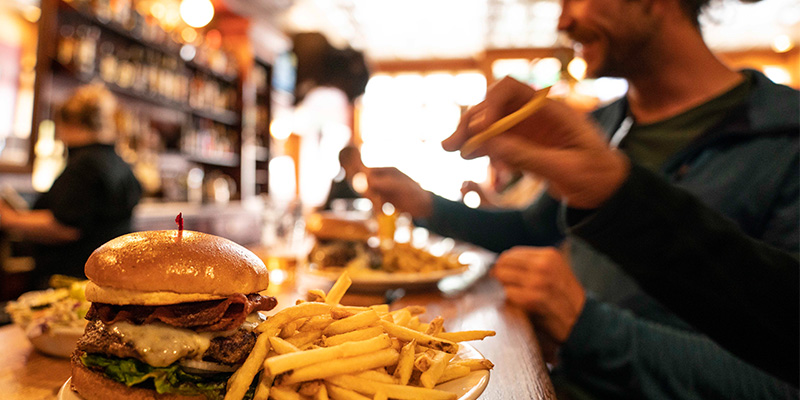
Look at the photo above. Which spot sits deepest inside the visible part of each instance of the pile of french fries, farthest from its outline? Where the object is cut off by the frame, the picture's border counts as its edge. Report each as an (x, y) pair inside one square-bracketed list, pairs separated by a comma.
[(403, 257), (319, 349)]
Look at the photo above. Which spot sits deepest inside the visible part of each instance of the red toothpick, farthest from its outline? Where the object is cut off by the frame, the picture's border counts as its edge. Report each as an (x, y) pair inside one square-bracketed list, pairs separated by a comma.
[(179, 221)]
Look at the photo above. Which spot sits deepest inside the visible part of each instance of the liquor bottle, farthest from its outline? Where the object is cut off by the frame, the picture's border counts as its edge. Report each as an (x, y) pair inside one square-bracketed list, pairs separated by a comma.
[(66, 45), (87, 48), (108, 62), (102, 10), (139, 76), (121, 12)]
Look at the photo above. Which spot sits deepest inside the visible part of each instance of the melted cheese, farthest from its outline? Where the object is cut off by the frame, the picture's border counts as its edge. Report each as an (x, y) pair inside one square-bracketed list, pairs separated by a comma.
[(160, 344)]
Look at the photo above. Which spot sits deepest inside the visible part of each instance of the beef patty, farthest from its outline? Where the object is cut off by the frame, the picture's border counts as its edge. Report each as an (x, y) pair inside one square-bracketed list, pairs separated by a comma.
[(232, 349)]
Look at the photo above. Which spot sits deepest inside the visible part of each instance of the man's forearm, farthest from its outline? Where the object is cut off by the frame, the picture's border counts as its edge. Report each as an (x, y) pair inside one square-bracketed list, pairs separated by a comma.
[(38, 226)]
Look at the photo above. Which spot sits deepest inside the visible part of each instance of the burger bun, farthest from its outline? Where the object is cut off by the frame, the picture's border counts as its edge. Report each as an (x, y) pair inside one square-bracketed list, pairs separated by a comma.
[(91, 385), (174, 261), (349, 226)]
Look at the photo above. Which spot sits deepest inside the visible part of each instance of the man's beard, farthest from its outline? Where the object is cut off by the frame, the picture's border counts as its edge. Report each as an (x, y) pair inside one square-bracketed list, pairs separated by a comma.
[(609, 57)]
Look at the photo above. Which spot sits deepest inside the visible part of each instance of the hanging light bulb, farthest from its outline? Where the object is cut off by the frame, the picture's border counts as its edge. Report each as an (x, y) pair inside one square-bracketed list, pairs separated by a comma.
[(197, 13)]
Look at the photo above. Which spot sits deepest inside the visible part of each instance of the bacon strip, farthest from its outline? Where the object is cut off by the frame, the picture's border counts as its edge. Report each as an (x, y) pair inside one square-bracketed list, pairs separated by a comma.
[(201, 316)]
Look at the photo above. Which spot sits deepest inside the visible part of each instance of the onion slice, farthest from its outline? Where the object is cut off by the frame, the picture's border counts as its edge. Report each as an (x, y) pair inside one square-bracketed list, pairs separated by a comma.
[(200, 367)]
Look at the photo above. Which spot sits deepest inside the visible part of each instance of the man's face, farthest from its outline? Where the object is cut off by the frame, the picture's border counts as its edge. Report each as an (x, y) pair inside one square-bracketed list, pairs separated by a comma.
[(612, 34)]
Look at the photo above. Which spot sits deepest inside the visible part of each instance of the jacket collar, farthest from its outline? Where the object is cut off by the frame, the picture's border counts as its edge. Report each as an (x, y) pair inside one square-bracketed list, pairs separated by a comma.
[(772, 106), (769, 107)]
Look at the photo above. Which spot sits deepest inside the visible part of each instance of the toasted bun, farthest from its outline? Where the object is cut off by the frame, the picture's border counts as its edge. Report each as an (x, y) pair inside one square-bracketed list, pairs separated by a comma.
[(92, 385), (326, 226), (110, 295), (178, 262)]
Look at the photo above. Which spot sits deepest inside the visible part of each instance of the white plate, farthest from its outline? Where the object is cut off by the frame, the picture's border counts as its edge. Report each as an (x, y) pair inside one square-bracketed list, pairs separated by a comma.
[(471, 386), (58, 341), (468, 387), (477, 263), (66, 393)]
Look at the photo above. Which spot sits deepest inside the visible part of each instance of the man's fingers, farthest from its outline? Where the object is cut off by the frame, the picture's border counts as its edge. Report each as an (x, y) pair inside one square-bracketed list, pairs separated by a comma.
[(472, 121), (509, 275), (519, 296)]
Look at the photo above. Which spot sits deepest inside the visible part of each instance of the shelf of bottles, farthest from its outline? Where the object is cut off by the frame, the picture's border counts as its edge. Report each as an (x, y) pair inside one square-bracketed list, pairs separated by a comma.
[(136, 56)]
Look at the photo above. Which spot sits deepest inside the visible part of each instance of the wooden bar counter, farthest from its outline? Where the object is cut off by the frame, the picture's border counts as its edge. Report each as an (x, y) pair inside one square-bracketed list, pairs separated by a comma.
[(519, 372)]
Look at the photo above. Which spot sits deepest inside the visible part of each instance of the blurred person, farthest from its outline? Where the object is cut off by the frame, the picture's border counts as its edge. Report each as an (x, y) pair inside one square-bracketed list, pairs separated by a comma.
[(722, 143), (90, 202), (508, 187), (342, 184)]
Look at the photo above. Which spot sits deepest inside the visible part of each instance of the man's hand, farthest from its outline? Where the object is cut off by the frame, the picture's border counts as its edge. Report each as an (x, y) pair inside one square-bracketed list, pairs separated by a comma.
[(391, 185), (556, 143), (540, 281)]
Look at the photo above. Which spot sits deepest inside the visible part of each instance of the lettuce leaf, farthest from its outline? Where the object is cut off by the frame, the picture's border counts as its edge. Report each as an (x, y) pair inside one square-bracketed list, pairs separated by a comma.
[(170, 379)]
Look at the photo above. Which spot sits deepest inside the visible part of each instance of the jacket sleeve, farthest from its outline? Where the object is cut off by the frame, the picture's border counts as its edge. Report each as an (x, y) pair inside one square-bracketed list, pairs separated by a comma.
[(497, 230), (739, 291), (636, 358)]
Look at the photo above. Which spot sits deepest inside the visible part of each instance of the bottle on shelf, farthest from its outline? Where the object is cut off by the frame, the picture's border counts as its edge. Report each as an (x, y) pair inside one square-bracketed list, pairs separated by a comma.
[(121, 13), (108, 62), (66, 45), (86, 48)]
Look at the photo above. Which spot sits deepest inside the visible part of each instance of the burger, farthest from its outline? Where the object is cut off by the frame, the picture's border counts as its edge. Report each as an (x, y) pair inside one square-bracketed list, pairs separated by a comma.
[(341, 239), (172, 316)]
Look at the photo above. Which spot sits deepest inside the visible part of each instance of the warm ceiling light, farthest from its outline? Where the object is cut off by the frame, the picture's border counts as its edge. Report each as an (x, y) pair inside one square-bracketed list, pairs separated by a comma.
[(782, 44), (197, 13), (188, 34), (281, 128), (577, 68), (32, 13), (157, 10)]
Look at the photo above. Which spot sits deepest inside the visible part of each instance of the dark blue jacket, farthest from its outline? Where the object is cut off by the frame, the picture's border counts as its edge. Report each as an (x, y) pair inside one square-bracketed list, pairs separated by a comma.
[(625, 344)]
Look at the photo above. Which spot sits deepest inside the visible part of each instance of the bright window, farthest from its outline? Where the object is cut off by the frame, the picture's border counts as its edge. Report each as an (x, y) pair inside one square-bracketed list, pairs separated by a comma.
[(404, 119)]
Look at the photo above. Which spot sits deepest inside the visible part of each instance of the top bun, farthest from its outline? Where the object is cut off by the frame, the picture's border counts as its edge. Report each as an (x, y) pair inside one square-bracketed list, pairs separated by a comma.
[(344, 226), (178, 262)]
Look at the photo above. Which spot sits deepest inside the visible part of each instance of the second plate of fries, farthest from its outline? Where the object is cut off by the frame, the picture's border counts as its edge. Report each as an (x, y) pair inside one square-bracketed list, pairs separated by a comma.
[(412, 268), (319, 349)]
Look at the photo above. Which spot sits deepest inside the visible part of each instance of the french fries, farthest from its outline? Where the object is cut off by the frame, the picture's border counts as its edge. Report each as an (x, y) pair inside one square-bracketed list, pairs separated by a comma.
[(369, 387), (464, 336), (282, 363), (319, 350), (423, 339)]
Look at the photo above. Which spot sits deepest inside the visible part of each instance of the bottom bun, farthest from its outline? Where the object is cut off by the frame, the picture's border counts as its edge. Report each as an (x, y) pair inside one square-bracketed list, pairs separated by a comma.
[(92, 385)]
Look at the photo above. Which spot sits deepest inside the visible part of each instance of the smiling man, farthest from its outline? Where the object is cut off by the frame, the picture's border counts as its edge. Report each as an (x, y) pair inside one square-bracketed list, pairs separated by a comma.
[(727, 138)]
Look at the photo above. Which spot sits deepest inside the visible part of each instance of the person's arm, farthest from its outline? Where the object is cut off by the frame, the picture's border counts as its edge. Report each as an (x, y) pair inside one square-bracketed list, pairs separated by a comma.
[(496, 229), (741, 292), (38, 226), (614, 354)]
